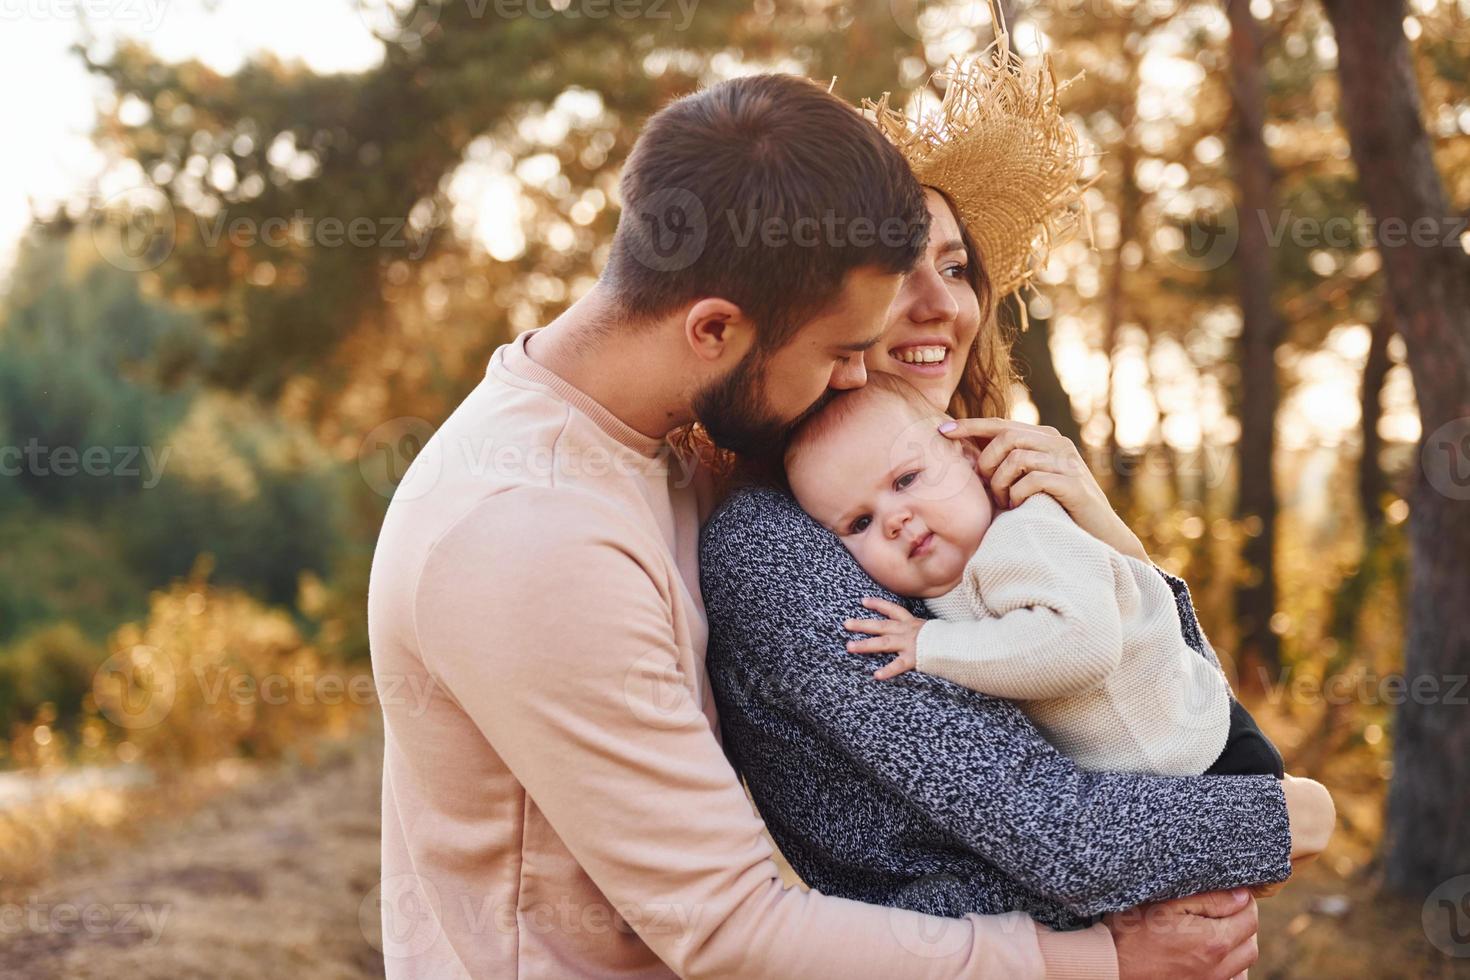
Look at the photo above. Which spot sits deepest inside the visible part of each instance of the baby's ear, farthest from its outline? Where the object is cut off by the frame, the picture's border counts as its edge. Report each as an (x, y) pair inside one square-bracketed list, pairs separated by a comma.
[(971, 453)]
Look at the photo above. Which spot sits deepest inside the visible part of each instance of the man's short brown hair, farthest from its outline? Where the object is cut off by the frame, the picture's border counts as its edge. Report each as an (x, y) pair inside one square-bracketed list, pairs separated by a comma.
[(765, 191)]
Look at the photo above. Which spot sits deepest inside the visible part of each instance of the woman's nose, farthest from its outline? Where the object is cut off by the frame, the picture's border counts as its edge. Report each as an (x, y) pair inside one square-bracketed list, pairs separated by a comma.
[(927, 297)]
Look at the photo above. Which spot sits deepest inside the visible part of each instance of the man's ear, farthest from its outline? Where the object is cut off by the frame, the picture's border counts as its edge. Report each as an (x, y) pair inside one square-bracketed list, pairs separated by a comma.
[(717, 329)]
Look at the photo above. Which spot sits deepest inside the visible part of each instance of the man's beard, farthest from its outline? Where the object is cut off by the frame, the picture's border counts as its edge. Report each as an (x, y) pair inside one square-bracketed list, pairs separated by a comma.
[(733, 411)]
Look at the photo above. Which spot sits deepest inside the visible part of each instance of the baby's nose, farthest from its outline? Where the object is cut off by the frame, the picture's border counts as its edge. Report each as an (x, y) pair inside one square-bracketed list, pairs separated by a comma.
[(896, 520)]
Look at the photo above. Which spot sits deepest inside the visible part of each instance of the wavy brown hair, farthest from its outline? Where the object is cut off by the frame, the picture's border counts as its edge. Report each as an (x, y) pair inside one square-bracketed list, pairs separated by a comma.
[(984, 388)]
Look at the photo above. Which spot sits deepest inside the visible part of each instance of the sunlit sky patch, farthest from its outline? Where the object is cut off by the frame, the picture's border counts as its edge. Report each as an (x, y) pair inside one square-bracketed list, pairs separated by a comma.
[(51, 102)]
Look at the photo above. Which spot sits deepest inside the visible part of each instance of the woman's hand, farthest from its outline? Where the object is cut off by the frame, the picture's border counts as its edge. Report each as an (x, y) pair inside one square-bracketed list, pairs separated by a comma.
[(1018, 459), (1311, 813), (1313, 816)]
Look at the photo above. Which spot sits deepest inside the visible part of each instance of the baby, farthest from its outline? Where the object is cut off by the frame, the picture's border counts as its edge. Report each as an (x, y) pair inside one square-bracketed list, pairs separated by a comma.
[(1030, 606)]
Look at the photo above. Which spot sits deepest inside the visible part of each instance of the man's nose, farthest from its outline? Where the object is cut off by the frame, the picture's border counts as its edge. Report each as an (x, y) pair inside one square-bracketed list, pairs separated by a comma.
[(849, 373)]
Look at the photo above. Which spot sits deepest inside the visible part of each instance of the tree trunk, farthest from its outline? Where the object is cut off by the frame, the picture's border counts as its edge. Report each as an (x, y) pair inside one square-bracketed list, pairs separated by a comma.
[(1114, 298), (1032, 350), (1371, 483), (1427, 836), (1261, 330), (1032, 355)]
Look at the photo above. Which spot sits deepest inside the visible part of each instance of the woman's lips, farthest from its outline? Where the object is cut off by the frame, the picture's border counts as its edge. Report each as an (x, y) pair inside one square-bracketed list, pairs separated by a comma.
[(922, 546)]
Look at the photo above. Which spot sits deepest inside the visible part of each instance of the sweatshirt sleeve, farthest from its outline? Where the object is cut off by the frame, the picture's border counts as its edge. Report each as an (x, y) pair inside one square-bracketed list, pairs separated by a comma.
[(1056, 626), (560, 648), (777, 587)]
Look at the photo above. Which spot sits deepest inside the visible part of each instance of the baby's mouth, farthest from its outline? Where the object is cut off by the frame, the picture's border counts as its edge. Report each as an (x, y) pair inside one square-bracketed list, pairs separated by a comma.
[(922, 545)]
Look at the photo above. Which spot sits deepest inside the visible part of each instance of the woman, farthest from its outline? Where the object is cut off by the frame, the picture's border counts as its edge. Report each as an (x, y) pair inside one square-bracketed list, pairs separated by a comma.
[(915, 792)]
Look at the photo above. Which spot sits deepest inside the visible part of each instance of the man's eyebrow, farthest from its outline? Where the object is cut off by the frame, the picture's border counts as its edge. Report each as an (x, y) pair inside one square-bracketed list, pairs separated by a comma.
[(861, 346)]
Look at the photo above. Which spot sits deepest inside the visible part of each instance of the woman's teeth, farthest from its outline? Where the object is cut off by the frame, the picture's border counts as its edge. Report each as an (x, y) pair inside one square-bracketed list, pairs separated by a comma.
[(921, 355)]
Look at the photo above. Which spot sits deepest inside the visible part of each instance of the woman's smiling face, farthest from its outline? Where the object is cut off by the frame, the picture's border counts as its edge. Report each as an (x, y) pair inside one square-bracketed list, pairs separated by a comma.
[(933, 321)]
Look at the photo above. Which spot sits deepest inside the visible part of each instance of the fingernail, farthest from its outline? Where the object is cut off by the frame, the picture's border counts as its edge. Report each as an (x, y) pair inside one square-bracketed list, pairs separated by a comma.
[(1238, 894), (948, 426)]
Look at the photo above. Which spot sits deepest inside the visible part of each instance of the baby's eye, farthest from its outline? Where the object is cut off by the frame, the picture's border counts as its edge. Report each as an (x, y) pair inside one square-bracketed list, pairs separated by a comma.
[(903, 482), (859, 525)]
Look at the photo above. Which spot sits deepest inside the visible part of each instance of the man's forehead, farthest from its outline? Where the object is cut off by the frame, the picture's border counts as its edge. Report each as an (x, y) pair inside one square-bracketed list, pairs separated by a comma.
[(865, 291)]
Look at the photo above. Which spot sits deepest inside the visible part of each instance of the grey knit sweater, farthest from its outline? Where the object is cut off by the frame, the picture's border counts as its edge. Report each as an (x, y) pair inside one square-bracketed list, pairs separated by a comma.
[(921, 794)]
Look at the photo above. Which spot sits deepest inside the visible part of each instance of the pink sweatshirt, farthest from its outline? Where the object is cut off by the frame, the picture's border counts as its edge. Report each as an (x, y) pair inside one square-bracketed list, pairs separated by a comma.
[(559, 804)]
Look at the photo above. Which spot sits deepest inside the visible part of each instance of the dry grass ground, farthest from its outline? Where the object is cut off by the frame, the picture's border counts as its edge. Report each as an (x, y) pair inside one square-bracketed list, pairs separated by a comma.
[(264, 881), (274, 878)]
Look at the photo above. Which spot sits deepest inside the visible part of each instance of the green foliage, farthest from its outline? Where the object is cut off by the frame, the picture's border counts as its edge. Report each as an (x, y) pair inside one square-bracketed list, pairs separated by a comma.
[(53, 664), (113, 483), (61, 566), (243, 487), (76, 411)]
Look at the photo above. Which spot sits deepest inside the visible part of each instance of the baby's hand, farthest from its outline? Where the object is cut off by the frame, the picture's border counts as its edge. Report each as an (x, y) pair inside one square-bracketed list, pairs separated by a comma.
[(899, 634)]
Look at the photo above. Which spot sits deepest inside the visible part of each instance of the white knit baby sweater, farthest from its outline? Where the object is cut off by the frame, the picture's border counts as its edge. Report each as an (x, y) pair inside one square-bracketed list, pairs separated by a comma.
[(1087, 639)]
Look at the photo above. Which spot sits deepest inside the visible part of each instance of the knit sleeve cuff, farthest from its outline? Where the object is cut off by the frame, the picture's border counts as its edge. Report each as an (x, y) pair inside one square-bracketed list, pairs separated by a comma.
[(1087, 954)]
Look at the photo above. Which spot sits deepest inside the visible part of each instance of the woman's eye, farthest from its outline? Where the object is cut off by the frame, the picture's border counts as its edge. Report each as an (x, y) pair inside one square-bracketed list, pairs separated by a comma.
[(859, 525), (957, 271), (903, 482)]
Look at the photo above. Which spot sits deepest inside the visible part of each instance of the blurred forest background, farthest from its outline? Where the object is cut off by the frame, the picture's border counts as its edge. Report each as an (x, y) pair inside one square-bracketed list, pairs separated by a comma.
[(218, 356)]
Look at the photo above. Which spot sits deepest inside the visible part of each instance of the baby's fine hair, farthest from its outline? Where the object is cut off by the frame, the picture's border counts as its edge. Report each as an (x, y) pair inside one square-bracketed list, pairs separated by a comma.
[(839, 406)]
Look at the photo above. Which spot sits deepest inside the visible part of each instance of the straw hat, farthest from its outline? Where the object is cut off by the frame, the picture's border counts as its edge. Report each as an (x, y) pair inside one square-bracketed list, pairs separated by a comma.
[(1002, 151)]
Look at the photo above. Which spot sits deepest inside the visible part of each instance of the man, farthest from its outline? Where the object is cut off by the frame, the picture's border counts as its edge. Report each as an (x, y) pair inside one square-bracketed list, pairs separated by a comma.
[(562, 807)]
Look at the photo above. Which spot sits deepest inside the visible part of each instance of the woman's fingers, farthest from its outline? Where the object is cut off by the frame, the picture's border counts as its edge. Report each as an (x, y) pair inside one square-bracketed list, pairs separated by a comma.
[(1016, 465), (1038, 481), (1003, 435), (988, 428)]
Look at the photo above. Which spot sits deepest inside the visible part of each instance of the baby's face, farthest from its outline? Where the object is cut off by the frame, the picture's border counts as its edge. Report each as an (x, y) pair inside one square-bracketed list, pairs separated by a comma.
[(903, 499)]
